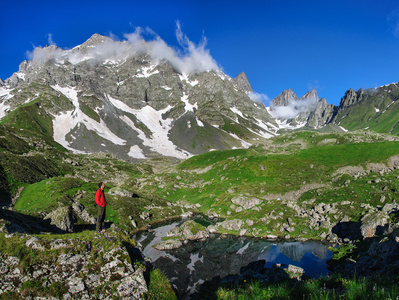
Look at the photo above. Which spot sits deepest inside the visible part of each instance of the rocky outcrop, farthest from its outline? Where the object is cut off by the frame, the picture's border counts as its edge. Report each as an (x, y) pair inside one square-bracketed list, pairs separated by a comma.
[(62, 218), (322, 115), (82, 213), (373, 221), (87, 271), (231, 224), (284, 99), (351, 98), (246, 202), (376, 256), (242, 82)]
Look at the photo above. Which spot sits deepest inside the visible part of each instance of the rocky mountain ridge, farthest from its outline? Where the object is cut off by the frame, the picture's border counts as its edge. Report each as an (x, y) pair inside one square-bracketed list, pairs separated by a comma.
[(135, 106), (365, 109), (120, 98)]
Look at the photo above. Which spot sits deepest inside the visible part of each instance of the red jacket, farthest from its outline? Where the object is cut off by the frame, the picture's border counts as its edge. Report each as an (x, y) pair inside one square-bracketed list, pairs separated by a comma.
[(100, 198)]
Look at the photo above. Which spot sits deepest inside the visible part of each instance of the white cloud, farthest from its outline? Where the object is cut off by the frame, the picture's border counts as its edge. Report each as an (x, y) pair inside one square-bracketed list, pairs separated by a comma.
[(259, 98), (41, 55), (294, 108), (50, 39), (188, 59)]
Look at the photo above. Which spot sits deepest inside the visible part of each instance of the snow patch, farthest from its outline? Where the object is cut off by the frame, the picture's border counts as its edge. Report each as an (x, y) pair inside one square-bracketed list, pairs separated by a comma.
[(5, 94), (21, 75), (184, 77), (188, 106), (267, 133), (152, 119), (376, 109), (388, 107), (65, 122), (237, 112), (147, 72), (285, 125), (3, 109), (193, 83), (244, 144), (199, 122), (136, 152), (222, 75), (346, 130)]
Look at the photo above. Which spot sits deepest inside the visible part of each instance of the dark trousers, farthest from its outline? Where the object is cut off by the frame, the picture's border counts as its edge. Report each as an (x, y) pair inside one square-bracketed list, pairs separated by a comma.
[(100, 217)]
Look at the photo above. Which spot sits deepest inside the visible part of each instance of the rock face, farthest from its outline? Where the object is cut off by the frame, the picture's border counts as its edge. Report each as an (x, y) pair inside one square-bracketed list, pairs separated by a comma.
[(378, 256), (284, 99), (375, 222), (322, 115), (246, 202), (62, 218), (372, 222), (350, 98), (242, 82), (133, 105), (357, 110), (286, 107)]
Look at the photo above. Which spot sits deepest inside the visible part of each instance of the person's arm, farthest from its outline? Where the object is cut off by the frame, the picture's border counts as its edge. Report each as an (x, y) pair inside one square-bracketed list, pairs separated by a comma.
[(98, 197), (104, 201)]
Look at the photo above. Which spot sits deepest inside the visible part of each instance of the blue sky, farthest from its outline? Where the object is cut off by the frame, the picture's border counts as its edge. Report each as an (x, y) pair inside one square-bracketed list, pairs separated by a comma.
[(329, 45)]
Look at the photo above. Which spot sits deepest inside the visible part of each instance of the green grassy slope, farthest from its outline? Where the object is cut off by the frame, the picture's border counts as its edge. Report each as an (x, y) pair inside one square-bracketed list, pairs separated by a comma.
[(213, 179), (378, 111)]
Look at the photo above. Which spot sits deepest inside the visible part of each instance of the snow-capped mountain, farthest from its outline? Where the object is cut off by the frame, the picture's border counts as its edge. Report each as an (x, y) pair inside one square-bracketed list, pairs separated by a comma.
[(125, 98), (138, 99)]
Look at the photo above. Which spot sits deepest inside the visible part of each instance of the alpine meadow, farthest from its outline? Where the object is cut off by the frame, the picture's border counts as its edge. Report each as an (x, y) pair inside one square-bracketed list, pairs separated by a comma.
[(177, 141)]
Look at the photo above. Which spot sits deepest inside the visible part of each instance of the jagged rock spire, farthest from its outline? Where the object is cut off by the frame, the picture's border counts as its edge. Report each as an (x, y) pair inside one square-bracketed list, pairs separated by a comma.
[(311, 95), (242, 82), (284, 98)]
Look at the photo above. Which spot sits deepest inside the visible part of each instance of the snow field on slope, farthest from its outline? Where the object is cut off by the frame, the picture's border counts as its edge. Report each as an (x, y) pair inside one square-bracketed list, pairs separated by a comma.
[(159, 128), (65, 122)]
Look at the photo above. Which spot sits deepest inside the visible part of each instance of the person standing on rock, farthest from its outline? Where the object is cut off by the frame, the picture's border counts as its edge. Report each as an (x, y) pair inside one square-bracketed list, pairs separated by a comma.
[(101, 204)]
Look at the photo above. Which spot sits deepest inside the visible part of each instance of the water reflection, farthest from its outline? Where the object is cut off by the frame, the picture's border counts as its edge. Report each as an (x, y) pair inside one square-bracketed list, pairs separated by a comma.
[(196, 262)]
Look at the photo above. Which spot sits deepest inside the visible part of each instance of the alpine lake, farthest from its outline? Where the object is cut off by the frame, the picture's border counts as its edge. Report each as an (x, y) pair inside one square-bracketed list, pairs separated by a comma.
[(196, 262)]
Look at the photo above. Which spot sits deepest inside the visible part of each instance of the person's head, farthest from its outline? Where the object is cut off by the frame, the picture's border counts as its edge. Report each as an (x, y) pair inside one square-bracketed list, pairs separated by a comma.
[(101, 185)]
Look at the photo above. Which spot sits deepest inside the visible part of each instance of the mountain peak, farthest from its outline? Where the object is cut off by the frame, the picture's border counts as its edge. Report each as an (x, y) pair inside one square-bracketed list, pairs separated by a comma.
[(242, 82), (284, 98), (311, 95), (95, 40)]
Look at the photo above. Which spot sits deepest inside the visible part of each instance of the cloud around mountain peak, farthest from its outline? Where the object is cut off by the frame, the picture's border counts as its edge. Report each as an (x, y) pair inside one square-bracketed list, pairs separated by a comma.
[(190, 58)]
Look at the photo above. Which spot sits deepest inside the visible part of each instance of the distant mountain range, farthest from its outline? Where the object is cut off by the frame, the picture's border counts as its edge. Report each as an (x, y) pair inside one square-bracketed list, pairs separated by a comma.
[(137, 106)]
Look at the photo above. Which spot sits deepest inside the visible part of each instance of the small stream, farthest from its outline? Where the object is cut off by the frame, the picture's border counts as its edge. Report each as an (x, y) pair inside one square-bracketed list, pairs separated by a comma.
[(196, 262)]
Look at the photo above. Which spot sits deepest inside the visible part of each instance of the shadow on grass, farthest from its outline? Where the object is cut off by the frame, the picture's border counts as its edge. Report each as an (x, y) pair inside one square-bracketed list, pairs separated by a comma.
[(16, 222), (253, 272)]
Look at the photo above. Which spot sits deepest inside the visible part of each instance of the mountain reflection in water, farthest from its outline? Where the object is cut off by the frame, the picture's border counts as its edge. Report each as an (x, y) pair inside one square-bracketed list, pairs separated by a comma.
[(220, 255)]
